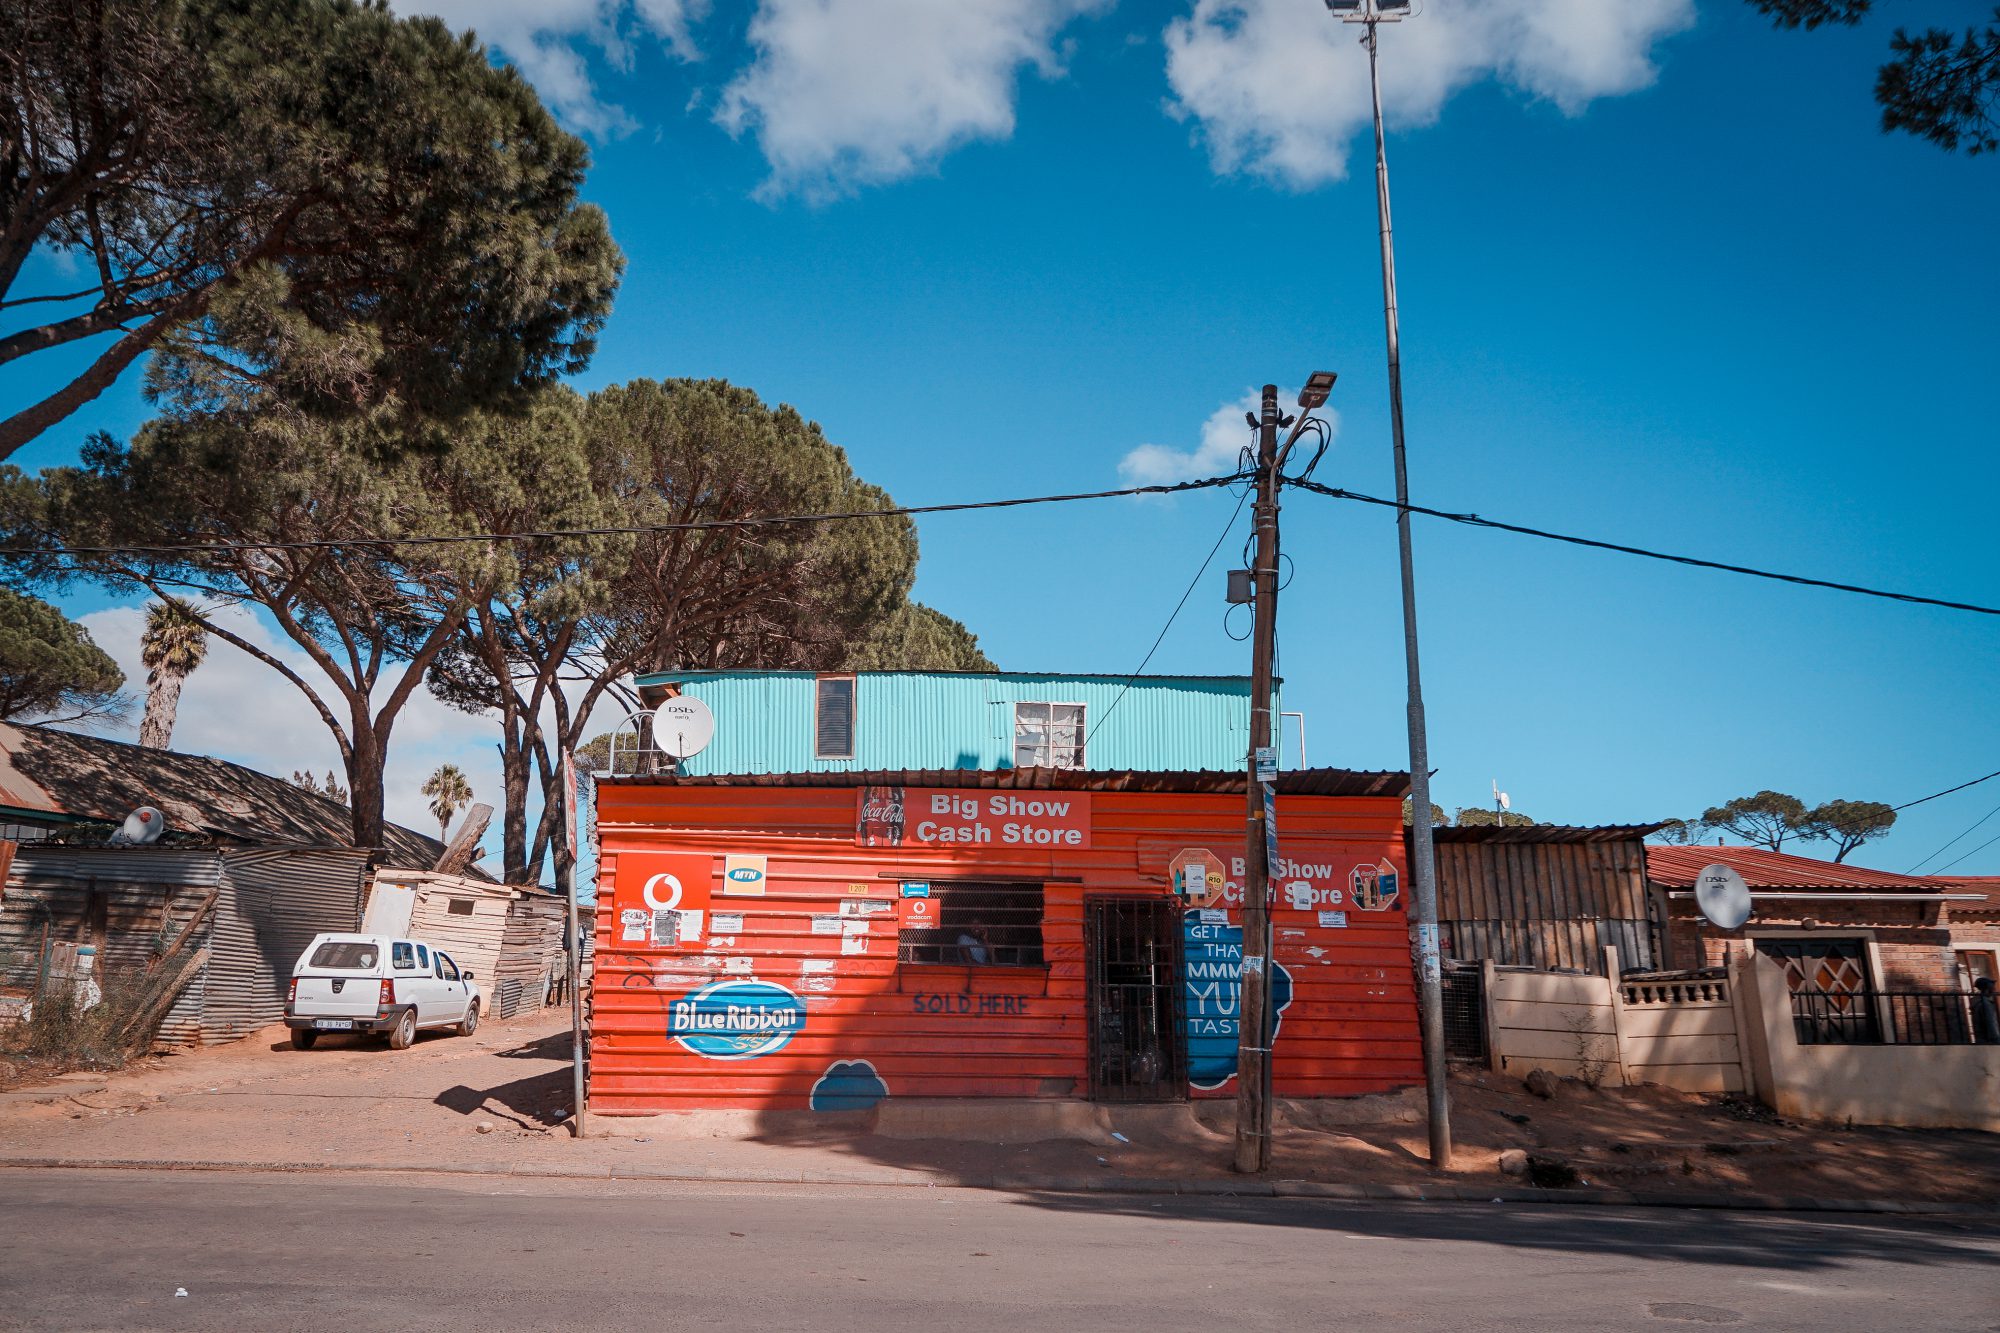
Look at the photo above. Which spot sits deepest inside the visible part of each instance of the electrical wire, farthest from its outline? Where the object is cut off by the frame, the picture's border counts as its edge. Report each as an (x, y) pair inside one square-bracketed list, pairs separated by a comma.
[(1947, 847), (1474, 520), (753, 521), (1974, 852), (1193, 583)]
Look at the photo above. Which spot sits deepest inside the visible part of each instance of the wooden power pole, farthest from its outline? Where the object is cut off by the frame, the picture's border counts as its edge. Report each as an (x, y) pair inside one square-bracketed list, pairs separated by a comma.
[(1253, 1038)]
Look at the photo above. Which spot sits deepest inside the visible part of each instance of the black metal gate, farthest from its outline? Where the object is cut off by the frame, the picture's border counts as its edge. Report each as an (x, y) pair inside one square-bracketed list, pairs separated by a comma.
[(1464, 1013), (1138, 1044)]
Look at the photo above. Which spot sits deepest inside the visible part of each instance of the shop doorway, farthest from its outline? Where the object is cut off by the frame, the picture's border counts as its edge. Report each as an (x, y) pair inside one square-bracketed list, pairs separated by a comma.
[(1138, 1044)]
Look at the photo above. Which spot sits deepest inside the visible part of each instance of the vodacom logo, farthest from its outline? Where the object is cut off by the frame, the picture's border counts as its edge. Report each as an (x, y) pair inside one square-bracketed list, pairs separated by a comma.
[(663, 884)]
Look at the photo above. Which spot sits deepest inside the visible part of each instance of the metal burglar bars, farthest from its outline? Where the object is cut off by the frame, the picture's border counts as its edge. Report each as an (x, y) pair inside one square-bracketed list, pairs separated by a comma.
[(1882, 1018), (1138, 1050), (980, 925), (1464, 1013)]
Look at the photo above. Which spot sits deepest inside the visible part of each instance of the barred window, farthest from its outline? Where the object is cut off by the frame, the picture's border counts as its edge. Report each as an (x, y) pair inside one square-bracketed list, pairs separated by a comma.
[(1048, 735), (980, 925), (833, 718)]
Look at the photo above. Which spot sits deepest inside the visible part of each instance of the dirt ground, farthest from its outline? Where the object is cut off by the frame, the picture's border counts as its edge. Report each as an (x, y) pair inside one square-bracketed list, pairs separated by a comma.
[(497, 1101)]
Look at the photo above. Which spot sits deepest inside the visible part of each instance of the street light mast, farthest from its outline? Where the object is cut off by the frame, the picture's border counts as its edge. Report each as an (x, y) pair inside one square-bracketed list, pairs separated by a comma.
[(1423, 857)]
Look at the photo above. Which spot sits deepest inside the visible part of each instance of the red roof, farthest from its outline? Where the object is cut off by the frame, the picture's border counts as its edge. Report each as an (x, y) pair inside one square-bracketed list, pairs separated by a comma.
[(1677, 867), (1986, 884)]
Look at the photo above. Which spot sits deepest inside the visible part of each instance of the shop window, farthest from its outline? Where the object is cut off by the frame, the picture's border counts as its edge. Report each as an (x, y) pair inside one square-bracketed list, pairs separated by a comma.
[(833, 718), (980, 925), (1048, 735)]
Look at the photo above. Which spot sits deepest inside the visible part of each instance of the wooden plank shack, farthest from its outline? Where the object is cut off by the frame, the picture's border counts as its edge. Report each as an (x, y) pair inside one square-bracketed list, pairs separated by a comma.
[(1546, 896)]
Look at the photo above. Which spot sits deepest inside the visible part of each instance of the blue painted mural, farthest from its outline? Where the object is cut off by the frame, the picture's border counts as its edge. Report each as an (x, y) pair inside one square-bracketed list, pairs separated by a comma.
[(1214, 960), (848, 1085)]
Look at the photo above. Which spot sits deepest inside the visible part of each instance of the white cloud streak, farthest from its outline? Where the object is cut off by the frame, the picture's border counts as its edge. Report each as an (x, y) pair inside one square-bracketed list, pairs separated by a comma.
[(1279, 89), (546, 40), (847, 93)]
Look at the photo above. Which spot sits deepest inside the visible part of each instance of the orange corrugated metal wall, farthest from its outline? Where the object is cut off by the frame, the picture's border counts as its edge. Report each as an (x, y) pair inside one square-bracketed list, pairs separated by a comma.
[(944, 1031)]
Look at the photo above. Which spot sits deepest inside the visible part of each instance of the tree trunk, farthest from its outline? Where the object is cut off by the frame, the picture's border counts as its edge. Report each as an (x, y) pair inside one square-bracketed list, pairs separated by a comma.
[(514, 820), (364, 785), (163, 699)]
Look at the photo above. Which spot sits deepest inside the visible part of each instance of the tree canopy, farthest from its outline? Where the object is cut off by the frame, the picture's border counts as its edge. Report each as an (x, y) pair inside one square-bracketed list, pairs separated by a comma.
[(312, 191), (1769, 819), (1939, 84), (49, 664)]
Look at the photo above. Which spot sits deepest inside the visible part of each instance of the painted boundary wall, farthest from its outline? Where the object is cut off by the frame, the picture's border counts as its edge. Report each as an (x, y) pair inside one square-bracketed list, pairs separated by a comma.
[(866, 1026), (1918, 1087), (1680, 1033)]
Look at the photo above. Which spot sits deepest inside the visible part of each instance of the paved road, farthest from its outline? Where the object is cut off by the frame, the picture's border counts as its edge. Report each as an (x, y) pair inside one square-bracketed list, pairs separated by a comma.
[(86, 1249)]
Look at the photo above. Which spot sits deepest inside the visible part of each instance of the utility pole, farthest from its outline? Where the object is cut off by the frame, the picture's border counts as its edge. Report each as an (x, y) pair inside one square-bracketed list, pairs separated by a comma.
[(1423, 856), (1253, 1029)]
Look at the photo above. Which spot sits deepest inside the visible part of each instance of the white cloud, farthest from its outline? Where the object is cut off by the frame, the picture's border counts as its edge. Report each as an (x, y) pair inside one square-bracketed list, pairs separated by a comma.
[(1224, 436), (845, 93), (1280, 89), (543, 39), (236, 708)]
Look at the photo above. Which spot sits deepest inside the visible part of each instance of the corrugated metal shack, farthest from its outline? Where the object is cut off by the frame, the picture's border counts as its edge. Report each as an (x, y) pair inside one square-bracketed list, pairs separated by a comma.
[(510, 937), (257, 911), (1548, 896), (824, 940)]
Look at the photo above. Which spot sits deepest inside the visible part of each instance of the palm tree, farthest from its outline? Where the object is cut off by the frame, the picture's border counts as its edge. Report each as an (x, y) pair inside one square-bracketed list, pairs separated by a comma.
[(173, 645), (449, 793)]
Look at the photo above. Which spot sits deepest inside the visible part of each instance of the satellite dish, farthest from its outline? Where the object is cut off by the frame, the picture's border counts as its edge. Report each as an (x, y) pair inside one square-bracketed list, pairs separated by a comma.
[(142, 826), (1722, 895), (682, 726)]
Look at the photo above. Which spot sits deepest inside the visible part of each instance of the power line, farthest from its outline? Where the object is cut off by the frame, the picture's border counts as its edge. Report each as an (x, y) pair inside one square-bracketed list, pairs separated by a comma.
[(1974, 852), (1947, 847), (1227, 528), (1474, 520), (751, 521)]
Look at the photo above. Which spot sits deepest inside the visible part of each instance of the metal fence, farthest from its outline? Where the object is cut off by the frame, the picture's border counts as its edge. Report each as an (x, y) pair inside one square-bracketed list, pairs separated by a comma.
[(1464, 1014), (1882, 1018)]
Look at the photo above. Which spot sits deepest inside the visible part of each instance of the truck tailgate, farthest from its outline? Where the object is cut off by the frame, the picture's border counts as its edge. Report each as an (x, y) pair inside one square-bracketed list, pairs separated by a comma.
[(324, 996)]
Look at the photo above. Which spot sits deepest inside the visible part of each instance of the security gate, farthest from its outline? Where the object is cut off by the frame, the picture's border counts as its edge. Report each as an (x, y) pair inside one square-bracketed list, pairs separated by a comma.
[(1138, 1044)]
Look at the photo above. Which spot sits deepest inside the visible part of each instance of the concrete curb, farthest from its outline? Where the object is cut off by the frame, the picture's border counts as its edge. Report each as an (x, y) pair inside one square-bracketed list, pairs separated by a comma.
[(1244, 1189)]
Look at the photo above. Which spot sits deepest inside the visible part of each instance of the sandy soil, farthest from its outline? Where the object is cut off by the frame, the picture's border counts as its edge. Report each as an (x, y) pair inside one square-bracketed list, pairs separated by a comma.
[(497, 1101)]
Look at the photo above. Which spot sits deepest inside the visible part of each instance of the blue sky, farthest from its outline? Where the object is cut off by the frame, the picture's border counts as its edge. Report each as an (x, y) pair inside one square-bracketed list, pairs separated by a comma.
[(1663, 281)]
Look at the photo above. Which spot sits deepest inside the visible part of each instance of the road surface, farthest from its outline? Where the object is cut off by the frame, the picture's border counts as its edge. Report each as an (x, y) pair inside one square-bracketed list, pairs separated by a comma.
[(105, 1249)]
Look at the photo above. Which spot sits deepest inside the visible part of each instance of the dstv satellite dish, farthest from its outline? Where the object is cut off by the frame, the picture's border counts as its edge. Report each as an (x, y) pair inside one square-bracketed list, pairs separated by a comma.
[(142, 826), (1722, 896), (682, 726)]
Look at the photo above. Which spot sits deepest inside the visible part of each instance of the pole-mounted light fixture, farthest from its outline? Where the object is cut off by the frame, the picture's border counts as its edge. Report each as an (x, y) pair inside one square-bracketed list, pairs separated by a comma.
[(1318, 385)]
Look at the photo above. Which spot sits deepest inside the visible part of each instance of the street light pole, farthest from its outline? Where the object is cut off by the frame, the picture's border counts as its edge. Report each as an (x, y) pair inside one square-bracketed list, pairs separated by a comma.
[(1423, 857)]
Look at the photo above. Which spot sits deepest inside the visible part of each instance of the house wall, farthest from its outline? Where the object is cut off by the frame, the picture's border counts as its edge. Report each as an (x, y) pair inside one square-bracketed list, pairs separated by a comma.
[(923, 720), (272, 904), (931, 1031), (1936, 1087)]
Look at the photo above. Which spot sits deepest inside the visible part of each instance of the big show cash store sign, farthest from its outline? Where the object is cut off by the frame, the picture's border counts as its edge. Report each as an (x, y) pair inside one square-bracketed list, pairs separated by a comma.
[(942, 817)]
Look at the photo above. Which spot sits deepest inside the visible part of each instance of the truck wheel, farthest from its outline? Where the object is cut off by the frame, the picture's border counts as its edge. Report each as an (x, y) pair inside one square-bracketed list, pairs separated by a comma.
[(404, 1032), (470, 1023), (303, 1039)]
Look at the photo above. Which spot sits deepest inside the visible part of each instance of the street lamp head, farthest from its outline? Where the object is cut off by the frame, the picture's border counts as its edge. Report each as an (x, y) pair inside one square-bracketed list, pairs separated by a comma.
[(1318, 385), (1364, 11)]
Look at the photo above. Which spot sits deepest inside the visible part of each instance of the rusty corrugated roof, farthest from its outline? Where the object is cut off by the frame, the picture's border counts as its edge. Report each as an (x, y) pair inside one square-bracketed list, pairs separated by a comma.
[(1545, 833), (1301, 782), (1677, 867)]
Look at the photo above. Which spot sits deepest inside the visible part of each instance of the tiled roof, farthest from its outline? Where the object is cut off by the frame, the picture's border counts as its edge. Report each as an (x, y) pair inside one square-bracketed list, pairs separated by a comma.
[(1989, 885), (1677, 868)]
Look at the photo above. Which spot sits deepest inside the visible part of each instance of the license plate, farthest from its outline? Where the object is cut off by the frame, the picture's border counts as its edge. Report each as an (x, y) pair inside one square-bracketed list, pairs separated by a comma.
[(334, 1024)]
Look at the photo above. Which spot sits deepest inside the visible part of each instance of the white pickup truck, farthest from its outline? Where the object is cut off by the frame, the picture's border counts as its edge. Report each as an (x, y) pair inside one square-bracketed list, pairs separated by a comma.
[(377, 983)]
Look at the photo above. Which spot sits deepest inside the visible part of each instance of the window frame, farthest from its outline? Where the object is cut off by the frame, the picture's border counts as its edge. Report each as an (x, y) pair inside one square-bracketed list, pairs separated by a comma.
[(820, 681), (908, 950), (440, 960), (402, 956), (1048, 730), (458, 907)]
